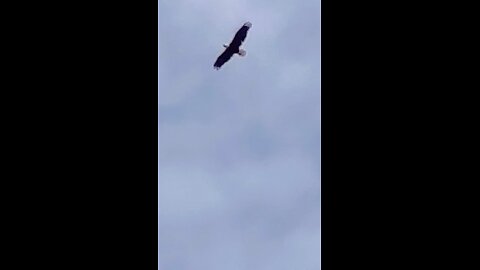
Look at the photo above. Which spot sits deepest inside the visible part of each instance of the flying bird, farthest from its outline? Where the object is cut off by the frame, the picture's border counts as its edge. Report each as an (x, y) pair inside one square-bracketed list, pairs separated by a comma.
[(234, 47)]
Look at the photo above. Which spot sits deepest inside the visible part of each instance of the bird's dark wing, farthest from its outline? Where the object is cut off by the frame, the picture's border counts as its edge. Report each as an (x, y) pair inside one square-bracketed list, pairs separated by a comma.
[(240, 35), (224, 57)]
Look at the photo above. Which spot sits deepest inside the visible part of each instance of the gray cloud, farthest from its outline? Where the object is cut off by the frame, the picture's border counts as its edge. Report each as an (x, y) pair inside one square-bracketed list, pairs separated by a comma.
[(239, 147)]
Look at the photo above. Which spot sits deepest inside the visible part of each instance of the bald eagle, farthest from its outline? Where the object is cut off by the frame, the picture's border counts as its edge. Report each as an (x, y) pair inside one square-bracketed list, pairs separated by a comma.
[(234, 47)]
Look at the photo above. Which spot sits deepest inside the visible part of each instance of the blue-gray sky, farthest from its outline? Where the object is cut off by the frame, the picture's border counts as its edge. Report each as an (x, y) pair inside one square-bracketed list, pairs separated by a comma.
[(239, 148)]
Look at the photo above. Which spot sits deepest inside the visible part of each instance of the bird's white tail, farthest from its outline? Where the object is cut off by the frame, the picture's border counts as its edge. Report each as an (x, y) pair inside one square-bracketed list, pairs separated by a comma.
[(242, 52)]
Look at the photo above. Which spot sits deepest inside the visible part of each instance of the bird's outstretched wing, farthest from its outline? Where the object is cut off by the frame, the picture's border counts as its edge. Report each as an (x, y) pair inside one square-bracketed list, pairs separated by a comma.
[(224, 57), (240, 35)]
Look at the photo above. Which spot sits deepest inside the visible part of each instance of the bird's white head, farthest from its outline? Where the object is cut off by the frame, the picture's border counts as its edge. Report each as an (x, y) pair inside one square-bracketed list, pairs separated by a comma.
[(242, 52), (225, 45), (248, 24)]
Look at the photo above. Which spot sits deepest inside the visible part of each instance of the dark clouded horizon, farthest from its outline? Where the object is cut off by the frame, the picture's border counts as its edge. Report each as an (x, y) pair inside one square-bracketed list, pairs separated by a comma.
[(239, 148)]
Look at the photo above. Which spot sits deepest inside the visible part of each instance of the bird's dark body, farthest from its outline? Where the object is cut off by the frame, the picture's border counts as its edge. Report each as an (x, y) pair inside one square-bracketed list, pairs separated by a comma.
[(232, 50), (234, 47)]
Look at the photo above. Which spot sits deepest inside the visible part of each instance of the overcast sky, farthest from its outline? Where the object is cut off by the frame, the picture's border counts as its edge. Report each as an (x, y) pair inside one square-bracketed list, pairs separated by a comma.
[(239, 148)]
